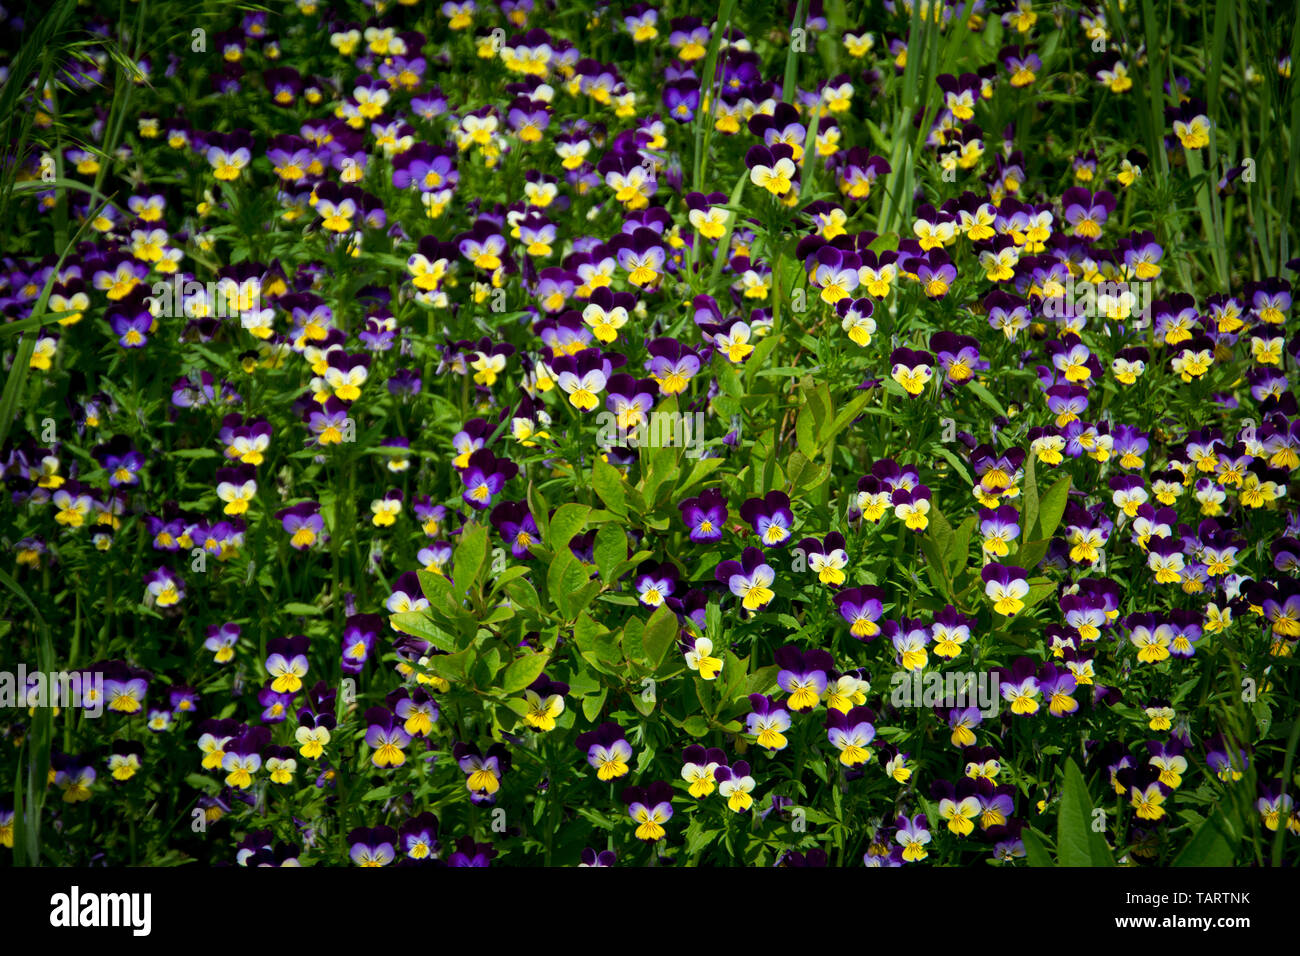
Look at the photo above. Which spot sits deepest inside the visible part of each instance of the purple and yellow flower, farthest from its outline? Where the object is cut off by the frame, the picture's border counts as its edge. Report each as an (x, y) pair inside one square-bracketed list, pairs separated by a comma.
[(768, 722), (851, 733), (1006, 586), (735, 785), (750, 579), (650, 807), (607, 750)]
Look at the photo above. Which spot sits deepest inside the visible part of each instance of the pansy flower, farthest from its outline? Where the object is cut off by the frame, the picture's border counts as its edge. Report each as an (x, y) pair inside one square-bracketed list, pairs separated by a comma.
[(698, 766), (803, 675), (386, 738), (221, 640), (911, 369), (735, 785), (699, 657), (949, 632), (514, 522), (483, 772), (772, 169), (770, 517), (582, 376), (1019, 686), (484, 476), (650, 807), (162, 587), (1006, 587), (912, 835), (851, 733), (767, 722), (655, 582), (1056, 686), (372, 846), (750, 579), (545, 700), (861, 607), (705, 515), (286, 663), (912, 507), (827, 559), (313, 733), (607, 750), (243, 757)]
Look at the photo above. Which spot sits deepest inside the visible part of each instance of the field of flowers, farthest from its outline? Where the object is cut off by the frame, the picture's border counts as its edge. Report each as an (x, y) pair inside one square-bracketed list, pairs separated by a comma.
[(519, 433)]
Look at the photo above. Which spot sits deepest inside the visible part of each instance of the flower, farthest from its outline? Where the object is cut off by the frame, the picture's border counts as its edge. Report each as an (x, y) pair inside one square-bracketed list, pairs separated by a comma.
[(1006, 587), (483, 772), (851, 733), (545, 699), (698, 766), (802, 675), (286, 663), (699, 657), (749, 579), (372, 847), (912, 836), (650, 807), (735, 784), (768, 722), (607, 750)]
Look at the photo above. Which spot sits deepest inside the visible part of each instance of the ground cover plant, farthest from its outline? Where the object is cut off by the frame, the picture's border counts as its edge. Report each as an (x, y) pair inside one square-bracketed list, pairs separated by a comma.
[(521, 433)]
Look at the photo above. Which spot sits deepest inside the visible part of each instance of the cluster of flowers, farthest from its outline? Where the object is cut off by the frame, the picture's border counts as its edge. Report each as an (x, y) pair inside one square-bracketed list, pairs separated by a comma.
[(392, 313)]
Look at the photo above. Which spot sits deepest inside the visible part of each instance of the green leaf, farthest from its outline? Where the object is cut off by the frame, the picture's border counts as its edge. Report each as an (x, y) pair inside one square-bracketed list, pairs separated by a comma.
[(985, 396), (845, 417), (1052, 507), (1039, 590), (469, 557), (1029, 512), (1214, 843), (541, 510), (961, 545), (302, 610), (1077, 844), (565, 523), (420, 624), (608, 484), (523, 672), (1035, 852), (592, 704), (610, 551), (958, 465), (658, 636), (696, 725), (805, 431)]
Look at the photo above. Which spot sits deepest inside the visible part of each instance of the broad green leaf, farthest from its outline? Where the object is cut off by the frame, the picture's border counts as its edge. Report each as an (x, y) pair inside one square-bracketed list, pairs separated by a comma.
[(523, 672), (610, 550), (419, 624), (565, 524), (1029, 494), (608, 484), (659, 635), (985, 396), (1214, 843), (468, 559), (1035, 853), (592, 704), (1077, 844), (1052, 507)]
